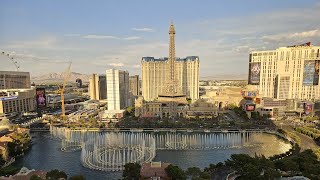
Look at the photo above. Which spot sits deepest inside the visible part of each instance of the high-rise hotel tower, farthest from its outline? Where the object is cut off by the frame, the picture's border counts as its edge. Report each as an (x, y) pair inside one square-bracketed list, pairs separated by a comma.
[(286, 73), (156, 74)]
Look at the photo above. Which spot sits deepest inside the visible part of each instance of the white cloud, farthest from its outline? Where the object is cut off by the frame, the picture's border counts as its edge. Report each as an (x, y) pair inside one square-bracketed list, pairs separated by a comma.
[(43, 42), (143, 29), (72, 35), (243, 49), (132, 38), (296, 35), (116, 64), (221, 43), (93, 36)]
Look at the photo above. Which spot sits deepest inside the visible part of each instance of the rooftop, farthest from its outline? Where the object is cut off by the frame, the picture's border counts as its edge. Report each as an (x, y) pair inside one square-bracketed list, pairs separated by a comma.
[(188, 58), (154, 169)]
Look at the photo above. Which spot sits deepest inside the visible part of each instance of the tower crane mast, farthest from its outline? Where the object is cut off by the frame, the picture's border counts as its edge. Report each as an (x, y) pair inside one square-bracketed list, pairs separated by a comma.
[(66, 77)]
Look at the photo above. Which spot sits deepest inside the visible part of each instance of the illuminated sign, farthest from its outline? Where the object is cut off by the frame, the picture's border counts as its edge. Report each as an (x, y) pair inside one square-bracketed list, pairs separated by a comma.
[(8, 98), (41, 97), (254, 73), (308, 108), (311, 73), (250, 107)]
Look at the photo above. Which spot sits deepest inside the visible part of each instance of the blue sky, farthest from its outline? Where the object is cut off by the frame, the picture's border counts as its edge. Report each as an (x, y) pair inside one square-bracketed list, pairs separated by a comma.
[(97, 35)]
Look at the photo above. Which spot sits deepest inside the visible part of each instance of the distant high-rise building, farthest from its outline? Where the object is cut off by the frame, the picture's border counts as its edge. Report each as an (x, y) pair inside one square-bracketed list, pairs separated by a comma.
[(286, 73), (16, 94), (17, 101), (14, 80), (117, 89), (156, 73), (134, 85), (79, 83), (98, 87)]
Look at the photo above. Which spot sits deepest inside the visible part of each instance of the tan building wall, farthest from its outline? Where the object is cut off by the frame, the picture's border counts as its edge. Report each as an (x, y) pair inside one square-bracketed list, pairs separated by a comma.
[(24, 100), (224, 96), (282, 72), (134, 85), (155, 71), (98, 87), (14, 80)]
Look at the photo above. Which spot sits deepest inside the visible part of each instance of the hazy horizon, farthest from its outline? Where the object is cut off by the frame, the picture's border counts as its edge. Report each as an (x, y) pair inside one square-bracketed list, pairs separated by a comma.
[(42, 35)]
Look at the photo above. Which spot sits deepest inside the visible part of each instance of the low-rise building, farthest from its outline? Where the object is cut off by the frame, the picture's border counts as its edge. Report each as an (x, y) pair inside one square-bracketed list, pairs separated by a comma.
[(112, 115), (17, 100), (154, 171), (160, 107), (25, 174), (224, 96)]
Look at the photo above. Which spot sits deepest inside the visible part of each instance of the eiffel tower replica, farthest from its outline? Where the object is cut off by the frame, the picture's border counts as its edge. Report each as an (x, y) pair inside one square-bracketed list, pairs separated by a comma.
[(172, 97)]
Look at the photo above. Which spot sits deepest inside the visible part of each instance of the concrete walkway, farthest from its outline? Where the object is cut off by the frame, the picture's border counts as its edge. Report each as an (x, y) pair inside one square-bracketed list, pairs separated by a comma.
[(306, 141)]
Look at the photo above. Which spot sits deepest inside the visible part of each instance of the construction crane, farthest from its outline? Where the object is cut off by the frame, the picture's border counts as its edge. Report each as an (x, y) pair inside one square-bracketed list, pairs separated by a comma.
[(66, 76), (12, 59)]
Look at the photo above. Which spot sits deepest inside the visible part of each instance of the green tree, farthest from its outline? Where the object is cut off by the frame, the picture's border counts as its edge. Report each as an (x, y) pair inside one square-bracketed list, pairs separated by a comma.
[(130, 109), (131, 171), (93, 122), (2, 161), (35, 177), (56, 174), (175, 172), (205, 175), (252, 168), (77, 177), (193, 171)]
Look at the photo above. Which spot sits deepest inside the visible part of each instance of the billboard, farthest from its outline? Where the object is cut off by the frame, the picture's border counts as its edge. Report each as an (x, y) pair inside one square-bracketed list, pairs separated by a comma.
[(250, 107), (316, 106), (254, 73), (308, 108), (41, 97), (311, 73)]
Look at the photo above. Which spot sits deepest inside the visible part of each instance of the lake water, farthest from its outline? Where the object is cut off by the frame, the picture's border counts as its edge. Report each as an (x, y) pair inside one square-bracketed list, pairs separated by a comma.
[(46, 154)]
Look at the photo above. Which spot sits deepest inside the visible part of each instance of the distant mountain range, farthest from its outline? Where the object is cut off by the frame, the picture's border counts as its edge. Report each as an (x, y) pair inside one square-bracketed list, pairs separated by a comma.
[(225, 77), (56, 77)]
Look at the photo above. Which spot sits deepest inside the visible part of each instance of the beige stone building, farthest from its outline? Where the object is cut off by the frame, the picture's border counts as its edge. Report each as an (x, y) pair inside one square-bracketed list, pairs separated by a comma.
[(98, 87), (134, 85), (167, 83), (154, 72), (182, 74), (17, 100), (224, 96), (286, 73), (14, 80)]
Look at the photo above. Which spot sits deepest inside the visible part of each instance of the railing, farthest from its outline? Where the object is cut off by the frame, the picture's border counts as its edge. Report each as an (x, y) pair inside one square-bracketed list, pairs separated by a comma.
[(32, 121)]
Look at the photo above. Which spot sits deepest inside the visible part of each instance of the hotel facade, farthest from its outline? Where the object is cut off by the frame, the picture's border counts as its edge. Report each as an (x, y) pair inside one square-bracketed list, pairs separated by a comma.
[(168, 84), (117, 89), (155, 71), (286, 73), (98, 87)]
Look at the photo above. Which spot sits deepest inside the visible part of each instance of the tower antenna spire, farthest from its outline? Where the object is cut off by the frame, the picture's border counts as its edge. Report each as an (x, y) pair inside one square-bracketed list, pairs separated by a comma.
[(172, 53)]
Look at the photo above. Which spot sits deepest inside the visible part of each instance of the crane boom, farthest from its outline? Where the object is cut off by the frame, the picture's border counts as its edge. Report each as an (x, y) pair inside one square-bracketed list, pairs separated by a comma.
[(66, 77)]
